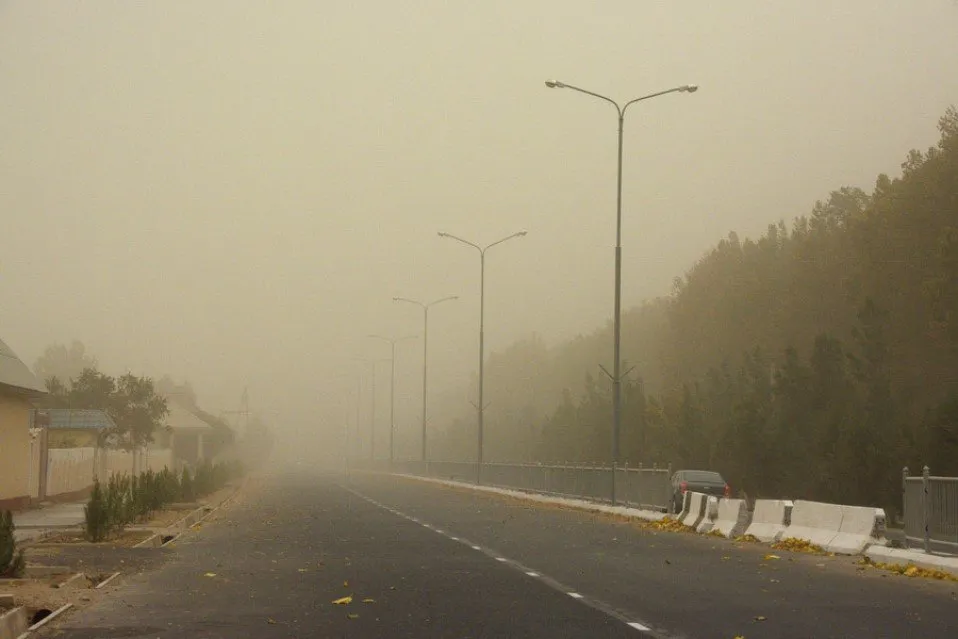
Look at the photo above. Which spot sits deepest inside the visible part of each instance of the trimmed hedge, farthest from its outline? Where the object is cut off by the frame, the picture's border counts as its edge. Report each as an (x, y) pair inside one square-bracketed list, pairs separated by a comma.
[(126, 500)]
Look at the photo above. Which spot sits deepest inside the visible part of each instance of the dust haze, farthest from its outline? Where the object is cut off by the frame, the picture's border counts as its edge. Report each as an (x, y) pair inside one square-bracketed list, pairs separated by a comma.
[(232, 193)]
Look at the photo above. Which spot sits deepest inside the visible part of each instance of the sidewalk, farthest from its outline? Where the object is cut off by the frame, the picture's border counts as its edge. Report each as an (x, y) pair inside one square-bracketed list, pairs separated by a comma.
[(30, 524), (945, 563)]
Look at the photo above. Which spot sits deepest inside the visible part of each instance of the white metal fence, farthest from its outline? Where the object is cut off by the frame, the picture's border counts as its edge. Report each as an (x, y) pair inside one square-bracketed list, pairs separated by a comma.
[(930, 506), (642, 487)]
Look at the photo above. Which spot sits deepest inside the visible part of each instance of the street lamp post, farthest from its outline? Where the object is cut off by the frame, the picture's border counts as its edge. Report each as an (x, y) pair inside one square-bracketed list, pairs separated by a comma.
[(392, 387), (480, 407), (372, 406), (616, 325), (425, 353)]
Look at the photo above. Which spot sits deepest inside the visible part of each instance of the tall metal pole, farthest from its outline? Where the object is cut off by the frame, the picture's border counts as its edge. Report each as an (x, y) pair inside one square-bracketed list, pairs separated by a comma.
[(392, 388), (482, 345), (617, 323), (372, 417), (425, 353), (392, 400), (617, 318), (480, 408), (425, 367)]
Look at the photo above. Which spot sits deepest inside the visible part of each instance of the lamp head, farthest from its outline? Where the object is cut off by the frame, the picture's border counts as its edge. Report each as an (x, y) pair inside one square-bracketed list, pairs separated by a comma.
[(690, 88), (554, 84)]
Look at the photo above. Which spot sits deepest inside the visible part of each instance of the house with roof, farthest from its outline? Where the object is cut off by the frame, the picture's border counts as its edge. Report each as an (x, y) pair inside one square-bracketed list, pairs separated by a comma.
[(187, 435), (77, 427), (18, 389)]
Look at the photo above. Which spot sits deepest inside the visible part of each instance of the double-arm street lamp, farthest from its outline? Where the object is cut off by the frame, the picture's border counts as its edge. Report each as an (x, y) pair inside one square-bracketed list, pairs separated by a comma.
[(425, 352), (480, 407), (616, 325), (392, 387)]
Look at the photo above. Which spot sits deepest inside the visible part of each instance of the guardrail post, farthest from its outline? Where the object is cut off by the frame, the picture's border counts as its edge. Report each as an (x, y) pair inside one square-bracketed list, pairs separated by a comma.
[(925, 472), (904, 500)]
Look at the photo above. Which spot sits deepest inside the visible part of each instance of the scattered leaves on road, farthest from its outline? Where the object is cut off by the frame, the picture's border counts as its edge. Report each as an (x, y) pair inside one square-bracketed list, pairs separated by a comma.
[(748, 538), (271, 620), (798, 545), (369, 600), (352, 615), (667, 524), (908, 570), (760, 618), (343, 601), (210, 574), (769, 557)]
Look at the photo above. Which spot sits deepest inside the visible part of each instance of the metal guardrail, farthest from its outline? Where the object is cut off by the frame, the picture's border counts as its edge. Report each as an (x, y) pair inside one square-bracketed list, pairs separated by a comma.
[(930, 506), (641, 487)]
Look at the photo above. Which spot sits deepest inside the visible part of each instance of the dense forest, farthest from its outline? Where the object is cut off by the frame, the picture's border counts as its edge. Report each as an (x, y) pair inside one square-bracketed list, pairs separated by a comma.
[(813, 362)]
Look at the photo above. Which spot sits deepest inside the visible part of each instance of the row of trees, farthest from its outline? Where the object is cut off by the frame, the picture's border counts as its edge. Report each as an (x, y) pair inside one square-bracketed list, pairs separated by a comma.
[(812, 362)]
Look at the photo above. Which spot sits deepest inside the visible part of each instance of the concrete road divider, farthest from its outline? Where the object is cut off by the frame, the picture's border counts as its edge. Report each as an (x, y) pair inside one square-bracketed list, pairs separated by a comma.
[(686, 504), (706, 523), (861, 527), (731, 517), (836, 528), (770, 519), (815, 522), (696, 509)]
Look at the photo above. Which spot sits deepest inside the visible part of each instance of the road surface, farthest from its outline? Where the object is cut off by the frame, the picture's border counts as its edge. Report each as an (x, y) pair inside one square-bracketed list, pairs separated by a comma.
[(422, 560)]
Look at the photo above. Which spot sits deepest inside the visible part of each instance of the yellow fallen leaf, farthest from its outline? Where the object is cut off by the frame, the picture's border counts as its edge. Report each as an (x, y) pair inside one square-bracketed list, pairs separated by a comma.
[(210, 574), (271, 620), (910, 571), (352, 615), (302, 570), (342, 601), (726, 558), (760, 618), (369, 600), (739, 636), (767, 557), (345, 584)]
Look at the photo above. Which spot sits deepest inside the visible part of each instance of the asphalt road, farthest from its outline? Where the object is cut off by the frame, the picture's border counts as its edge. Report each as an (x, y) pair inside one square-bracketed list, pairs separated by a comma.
[(442, 562)]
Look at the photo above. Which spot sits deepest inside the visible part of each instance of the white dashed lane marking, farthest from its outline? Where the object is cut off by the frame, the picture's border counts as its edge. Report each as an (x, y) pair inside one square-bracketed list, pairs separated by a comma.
[(598, 605)]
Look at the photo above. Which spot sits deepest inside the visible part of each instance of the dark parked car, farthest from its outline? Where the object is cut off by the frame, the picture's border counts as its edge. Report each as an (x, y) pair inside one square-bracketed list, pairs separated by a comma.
[(697, 481)]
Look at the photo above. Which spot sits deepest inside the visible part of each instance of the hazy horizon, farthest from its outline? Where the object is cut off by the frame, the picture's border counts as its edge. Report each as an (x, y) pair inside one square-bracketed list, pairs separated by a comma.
[(232, 192)]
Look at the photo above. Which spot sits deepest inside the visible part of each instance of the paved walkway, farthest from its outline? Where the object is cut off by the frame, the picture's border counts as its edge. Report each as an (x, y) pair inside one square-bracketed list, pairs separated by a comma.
[(30, 524)]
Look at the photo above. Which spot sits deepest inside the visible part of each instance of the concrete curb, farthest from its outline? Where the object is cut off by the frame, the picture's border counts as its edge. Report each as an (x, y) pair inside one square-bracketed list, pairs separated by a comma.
[(69, 580), (578, 504), (50, 617), (106, 581), (13, 622), (207, 514), (883, 554)]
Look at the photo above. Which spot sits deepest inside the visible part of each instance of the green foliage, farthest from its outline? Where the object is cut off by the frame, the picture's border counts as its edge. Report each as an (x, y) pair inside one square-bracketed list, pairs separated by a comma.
[(812, 362), (187, 491), (12, 562), (96, 515), (132, 402), (128, 500)]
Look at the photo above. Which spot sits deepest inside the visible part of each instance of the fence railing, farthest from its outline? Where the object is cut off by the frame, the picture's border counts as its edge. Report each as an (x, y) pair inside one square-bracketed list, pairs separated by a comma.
[(640, 487), (930, 506)]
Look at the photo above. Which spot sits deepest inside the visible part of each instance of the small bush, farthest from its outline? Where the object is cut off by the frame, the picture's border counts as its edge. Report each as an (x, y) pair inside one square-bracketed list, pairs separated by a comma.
[(96, 514), (187, 492), (12, 562)]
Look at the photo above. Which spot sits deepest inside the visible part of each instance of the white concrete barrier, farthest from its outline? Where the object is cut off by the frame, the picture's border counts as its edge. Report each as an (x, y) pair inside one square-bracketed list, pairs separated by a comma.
[(769, 519), (686, 501), (815, 522), (731, 518), (696, 509), (705, 524), (861, 527)]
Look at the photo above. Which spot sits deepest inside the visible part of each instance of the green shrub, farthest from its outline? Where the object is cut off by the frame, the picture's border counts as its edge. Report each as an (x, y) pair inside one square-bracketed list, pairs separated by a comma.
[(96, 514), (187, 492), (12, 562)]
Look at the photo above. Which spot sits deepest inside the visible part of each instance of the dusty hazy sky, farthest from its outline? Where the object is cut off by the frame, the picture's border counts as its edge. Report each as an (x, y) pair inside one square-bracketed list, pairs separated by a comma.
[(234, 191)]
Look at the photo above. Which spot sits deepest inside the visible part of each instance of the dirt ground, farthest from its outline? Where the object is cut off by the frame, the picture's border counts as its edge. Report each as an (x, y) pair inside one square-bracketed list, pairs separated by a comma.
[(35, 594), (126, 539)]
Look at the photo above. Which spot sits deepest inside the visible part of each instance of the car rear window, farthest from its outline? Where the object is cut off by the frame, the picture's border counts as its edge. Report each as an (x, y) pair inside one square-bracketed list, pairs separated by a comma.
[(702, 475)]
